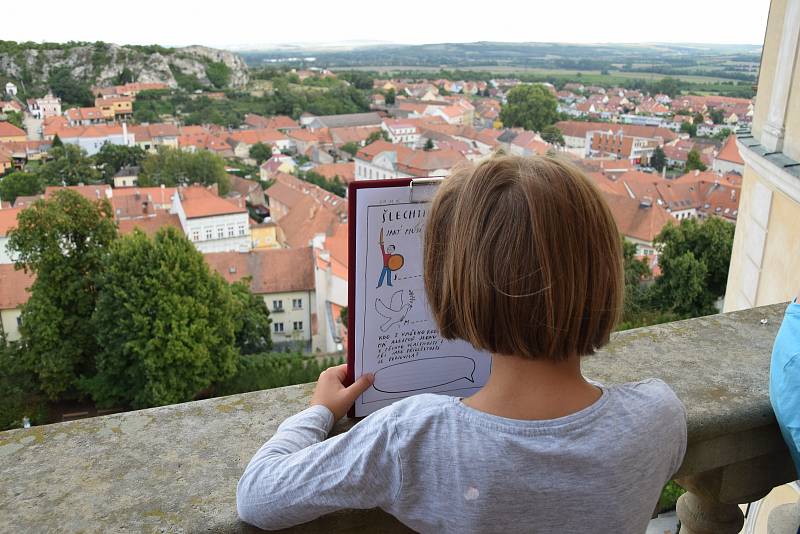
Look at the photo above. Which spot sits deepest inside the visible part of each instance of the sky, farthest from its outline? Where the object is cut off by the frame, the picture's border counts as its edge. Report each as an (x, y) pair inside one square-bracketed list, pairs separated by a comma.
[(252, 24)]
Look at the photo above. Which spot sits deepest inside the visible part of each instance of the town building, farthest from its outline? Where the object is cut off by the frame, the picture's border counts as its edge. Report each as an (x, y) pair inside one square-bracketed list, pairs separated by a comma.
[(729, 159), (212, 223), (10, 133), (92, 138), (381, 160), (127, 177), (47, 106), (401, 132), (14, 292), (370, 118), (285, 279)]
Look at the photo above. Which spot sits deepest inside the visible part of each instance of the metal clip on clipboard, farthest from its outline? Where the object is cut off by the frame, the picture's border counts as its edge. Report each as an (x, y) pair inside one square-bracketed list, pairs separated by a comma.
[(422, 189)]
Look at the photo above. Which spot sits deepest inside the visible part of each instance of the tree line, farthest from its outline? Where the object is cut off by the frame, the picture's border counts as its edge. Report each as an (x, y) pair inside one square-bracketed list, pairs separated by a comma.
[(68, 164)]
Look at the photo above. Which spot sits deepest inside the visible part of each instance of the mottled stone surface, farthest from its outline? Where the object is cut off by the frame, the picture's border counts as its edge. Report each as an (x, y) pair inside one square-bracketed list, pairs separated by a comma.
[(175, 468)]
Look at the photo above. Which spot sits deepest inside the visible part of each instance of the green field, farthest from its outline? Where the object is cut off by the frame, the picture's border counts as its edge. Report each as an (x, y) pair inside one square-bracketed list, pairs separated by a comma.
[(586, 76)]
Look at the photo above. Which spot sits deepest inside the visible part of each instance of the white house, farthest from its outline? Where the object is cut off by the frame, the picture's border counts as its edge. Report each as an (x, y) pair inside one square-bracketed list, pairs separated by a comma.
[(92, 138), (212, 223), (11, 89), (47, 106), (401, 132)]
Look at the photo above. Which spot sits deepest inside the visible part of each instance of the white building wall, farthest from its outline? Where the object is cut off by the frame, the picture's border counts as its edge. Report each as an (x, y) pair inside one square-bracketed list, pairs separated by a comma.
[(92, 145), (9, 320), (722, 166), (219, 233), (5, 255)]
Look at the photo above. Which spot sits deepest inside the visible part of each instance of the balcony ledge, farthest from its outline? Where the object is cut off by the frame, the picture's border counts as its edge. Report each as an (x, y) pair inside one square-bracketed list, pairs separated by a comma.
[(175, 467)]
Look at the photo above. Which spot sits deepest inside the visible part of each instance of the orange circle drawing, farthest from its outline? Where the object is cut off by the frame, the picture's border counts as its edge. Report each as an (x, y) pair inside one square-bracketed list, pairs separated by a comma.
[(395, 262)]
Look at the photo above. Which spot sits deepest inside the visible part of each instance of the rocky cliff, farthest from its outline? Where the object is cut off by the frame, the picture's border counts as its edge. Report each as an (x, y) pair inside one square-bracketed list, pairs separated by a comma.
[(107, 64)]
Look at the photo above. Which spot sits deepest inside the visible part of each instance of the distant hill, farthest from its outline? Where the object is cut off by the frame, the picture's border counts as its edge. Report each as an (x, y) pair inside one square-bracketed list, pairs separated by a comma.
[(32, 65), (738, 62)]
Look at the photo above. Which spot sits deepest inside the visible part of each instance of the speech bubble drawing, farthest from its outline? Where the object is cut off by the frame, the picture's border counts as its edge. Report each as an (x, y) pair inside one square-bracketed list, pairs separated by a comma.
[(424, 373)]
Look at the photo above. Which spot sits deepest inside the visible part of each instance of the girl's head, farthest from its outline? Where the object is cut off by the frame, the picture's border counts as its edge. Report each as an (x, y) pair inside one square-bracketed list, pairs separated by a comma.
[(523, 257)]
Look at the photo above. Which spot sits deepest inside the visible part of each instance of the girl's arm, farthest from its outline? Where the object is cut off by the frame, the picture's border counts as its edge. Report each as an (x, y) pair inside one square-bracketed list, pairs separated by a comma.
[(296, 476)]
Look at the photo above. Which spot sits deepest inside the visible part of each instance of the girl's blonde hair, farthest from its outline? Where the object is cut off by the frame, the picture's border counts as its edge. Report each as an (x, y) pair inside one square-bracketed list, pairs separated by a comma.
[(522, 257)]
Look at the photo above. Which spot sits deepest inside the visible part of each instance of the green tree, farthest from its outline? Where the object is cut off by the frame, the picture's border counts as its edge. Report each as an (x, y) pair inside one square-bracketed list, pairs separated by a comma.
[(111, 158), (690, 128), (218, 74), (351, 148), (694, 259), (69, 166), (429, 144), (260, 152), (15, 118), (723, 134), (18, 384), (165, 323), (698, 119), (62, 241), (173, 167), (552, 135), (378, 134), (658, 160), (531, 107), (390, 97), (70, 90), (271, 370), (693, 161), (18, 184), (57, 142), (253, 332), (717, 115)]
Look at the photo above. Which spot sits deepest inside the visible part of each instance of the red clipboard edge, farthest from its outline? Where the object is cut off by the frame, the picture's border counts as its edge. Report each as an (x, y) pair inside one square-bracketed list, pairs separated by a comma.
[(352, 193)]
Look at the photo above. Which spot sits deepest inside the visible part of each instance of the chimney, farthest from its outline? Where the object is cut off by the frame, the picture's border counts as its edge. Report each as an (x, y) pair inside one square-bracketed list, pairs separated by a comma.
[(696, 172), (733, 194), (125, 133)]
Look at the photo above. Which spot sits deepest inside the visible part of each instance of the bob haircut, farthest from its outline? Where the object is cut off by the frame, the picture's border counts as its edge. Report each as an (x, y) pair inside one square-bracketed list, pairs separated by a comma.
[(522, 257)]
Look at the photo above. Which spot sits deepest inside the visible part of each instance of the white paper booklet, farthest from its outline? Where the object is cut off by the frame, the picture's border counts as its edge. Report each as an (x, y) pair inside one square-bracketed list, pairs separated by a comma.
[(395, 337)]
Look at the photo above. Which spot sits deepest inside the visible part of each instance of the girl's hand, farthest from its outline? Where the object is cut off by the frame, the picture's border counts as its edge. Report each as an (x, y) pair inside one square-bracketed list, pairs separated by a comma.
[(331, 393)]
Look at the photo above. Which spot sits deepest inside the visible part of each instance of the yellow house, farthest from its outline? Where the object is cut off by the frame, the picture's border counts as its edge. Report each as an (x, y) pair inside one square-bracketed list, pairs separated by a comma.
[(765, 264), (105, 107), (264, 236), (10, 133)]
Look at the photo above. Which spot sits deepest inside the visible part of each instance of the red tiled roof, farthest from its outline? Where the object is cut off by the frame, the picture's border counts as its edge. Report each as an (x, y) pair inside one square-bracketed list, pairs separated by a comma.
[(14, 286), (415, 162), (271, 270), (9, 130), (635, 221), (580, 129), (198, 202), (305, 220), (345, 171), (89, 192), (261, 135), (730, 151), (150, 225), (8, 219)]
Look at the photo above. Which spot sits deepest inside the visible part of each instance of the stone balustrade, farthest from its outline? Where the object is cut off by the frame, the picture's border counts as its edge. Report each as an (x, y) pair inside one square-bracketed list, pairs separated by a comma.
[(175, 468)]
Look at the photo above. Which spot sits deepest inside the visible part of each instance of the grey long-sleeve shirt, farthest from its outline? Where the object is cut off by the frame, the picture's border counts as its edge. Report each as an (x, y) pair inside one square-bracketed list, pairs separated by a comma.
[(441, 466)]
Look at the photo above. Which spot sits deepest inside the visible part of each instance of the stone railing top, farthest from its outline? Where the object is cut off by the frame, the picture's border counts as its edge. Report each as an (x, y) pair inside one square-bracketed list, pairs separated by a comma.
[(175, 468)]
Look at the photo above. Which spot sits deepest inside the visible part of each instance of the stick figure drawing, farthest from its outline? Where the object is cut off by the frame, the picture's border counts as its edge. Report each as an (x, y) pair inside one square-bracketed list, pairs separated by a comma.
[(391, 262)]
